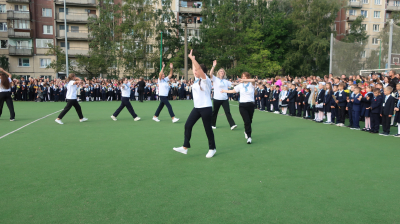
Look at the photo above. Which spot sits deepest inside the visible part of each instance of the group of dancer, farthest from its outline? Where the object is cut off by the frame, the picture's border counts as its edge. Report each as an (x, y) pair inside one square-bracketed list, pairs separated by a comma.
[(201, 90)]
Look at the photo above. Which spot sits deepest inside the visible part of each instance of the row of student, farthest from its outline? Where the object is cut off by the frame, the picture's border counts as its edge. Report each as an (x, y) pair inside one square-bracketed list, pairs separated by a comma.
[(375, 105)]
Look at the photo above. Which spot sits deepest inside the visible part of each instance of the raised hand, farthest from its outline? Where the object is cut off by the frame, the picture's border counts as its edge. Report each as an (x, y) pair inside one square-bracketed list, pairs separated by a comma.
[(215, 63), (163, 65), (191, 55), (171, 66)]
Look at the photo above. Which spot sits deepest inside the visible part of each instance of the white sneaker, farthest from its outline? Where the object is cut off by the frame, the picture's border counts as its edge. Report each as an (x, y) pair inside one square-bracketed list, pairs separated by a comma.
[(276, 112), (114, 118), (175, 120), (233, 127), (137, 119), (245, 135), (59, 121), (338, 124), (213, 127), (83, 119), (249, 141), (211, 153), (156, 119), (181, 150), (12, 119)]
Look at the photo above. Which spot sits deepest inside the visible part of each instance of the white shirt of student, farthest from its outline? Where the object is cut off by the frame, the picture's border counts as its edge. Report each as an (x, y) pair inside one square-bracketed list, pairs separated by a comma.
[(202, 98), (220, 84), (246, 91), (71, 92), (126, 90), (163, 86), (2, 89)]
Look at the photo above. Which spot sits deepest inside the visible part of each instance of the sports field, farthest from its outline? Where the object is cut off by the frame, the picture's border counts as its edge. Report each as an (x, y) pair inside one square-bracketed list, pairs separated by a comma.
[(105, 171)]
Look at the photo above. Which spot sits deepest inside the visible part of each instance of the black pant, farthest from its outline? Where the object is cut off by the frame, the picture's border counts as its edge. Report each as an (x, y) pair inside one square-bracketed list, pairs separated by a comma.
[(299, 109), (342, 114), (6, 96), (276, 105), (350, 116), (225, 105), (125, 103), (164, 101), (71, 103), (292, 108), (386, 123), (375, 119), (247, 111), (206, 115), (140, 92), (262, 104), (267, 104), (307, 109)]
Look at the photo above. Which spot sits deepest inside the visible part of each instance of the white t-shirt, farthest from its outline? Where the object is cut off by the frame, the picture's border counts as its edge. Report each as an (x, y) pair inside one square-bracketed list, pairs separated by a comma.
[(220, 84), (163, 86), (71, 90), (202, 98), (245, 95), (2, 87), (126, 90)]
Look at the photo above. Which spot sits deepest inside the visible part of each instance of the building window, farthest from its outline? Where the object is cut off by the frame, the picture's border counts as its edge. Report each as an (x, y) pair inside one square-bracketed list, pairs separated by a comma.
[(44, 62), (365, 1), (3, 8), (22, 44), (363, 55), (183, 4), (352, 12), (47, 29), (149, 48), (375, 41), (75, 29), (376, 28), (149, 65), (62, 27), (44, 43), (62, 44), (396, 3), (364, 26), (3, 26), (377, 2), (23, 8), (364, 13), (23, 62), (377, 14), (22, 24), (62, 10), (47, 12), (3, 44)]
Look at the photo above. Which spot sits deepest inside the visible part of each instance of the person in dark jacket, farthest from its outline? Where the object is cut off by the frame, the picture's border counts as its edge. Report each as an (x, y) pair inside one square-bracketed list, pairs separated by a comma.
[(140, 85), (387, 111), (376, 108)]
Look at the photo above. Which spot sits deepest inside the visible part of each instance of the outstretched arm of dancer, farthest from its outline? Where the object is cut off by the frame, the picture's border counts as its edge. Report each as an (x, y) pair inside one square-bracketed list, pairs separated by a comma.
[(212, 69), (171, 71), (228, 91), (197, 66), (162, 71), (9, 75), (253, 81), (77, 80)]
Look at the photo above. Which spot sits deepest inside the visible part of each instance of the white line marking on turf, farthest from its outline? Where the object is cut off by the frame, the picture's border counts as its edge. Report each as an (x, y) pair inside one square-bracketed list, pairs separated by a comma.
[(28, 124)]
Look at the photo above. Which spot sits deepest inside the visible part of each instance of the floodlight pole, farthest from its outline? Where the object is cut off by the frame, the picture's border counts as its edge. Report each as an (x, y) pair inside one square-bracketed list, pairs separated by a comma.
[(161, 53), (380, 52), (66, 40), (390, 43), (330, 54)]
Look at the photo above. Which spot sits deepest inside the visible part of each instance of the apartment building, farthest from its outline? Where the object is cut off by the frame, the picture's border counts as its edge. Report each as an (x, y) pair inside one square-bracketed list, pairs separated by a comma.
[(376, 13)]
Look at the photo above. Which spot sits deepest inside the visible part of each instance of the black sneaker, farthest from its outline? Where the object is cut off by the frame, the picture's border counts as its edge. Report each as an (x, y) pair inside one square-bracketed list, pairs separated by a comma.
[(396, 135), (386, 134)]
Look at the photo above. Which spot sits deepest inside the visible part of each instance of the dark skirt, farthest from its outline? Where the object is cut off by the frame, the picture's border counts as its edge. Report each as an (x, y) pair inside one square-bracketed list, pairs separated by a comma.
[(365, 112), (328, 108), (397, 117)]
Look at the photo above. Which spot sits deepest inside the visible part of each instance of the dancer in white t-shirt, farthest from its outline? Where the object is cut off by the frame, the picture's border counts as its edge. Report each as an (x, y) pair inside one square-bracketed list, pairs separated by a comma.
[(202, 108), (163, 87), (125, 96), (246, 102), (72, 81), (221, 99)]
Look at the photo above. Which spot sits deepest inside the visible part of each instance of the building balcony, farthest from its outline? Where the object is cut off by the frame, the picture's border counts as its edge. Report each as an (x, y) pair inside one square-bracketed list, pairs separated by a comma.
[(355, 4), (74, 51), (19, 33), (183, 8), (23, 51), (80, 35), (18, 1), (77, 2), (351, 18), (192, 25), (75, 17), (392, 8), (24, 15)]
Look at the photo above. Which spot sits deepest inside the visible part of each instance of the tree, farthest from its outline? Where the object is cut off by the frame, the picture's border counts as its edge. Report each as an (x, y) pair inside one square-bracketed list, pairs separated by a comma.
[(4, 63)]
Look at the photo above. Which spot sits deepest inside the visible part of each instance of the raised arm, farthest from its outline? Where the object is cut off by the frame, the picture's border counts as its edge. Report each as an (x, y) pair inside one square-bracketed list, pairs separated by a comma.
[(197, 66), (212, 69), (171, 66), (228, 91), (77, 80), (162, 71), (9, 75)]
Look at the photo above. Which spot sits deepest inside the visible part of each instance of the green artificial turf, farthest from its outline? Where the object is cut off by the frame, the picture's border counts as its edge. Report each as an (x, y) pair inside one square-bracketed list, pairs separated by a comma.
[(105, 171)]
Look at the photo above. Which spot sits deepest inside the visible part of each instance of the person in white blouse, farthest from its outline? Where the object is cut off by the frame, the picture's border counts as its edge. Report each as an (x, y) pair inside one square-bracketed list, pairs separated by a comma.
[(202, 108), (72, 81), (125, 96), (163, 94), (5, 93), (221, 99), (246, 102)]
